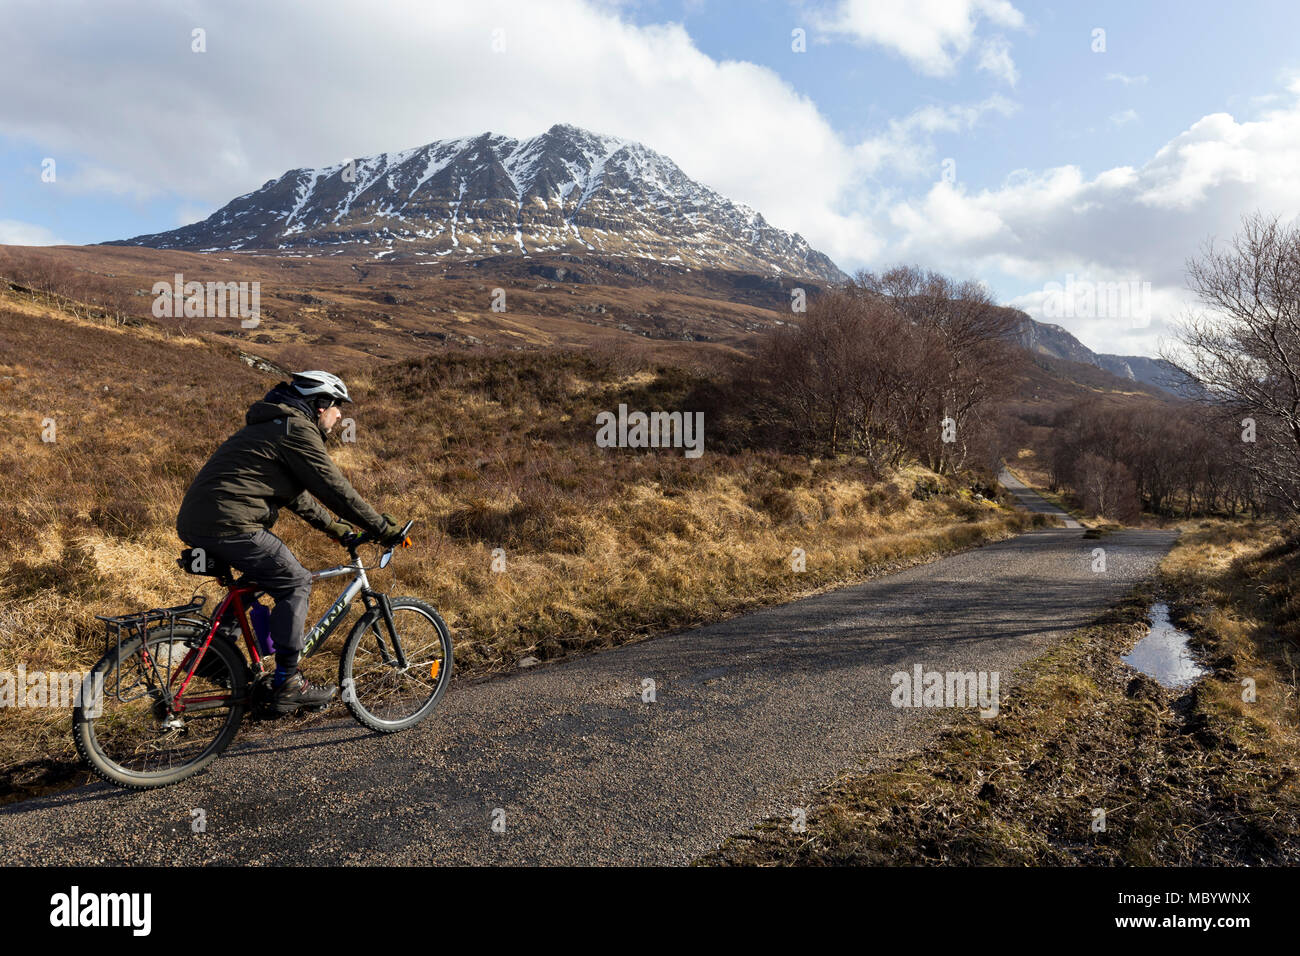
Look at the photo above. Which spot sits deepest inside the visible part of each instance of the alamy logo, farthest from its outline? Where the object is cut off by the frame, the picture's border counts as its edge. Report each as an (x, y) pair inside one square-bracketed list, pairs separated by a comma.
[(75, 908), (1084, 299), (923, 688), (212, 300), (655, 430), (58, 689)]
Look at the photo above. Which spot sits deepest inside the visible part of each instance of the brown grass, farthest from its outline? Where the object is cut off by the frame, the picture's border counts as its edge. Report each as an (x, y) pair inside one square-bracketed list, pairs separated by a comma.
[(354, 310)]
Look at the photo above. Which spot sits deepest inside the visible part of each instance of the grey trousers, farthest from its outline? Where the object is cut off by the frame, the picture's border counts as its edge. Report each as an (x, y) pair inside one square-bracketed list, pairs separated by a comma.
[(270, 564)]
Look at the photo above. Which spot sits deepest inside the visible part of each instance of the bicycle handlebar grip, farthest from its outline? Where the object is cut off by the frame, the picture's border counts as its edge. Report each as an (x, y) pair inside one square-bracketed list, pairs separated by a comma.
[(364, 537)]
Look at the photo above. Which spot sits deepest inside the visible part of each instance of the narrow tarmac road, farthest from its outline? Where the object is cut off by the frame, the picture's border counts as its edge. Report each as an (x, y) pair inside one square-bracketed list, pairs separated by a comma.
[(1031, 500), (570, 763)]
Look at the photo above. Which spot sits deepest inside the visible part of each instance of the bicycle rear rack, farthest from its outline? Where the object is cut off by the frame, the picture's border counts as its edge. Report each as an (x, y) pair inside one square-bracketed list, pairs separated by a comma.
[(130, 626)]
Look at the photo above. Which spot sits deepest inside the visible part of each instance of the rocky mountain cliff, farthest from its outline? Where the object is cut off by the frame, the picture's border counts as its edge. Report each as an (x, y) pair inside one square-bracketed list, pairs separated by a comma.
[(1042, 338)]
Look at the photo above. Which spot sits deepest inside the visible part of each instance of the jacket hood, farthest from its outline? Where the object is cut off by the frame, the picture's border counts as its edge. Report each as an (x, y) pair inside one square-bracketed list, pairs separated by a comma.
[(278, 403)]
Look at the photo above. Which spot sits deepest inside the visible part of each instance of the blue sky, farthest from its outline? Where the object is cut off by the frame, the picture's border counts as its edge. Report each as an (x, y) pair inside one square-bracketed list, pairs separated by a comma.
[(1070, 164), (1197, 58)]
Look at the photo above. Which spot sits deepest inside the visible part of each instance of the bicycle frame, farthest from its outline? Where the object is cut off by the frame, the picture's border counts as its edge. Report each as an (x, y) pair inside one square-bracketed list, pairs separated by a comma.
[(240, 596), (360, 584)]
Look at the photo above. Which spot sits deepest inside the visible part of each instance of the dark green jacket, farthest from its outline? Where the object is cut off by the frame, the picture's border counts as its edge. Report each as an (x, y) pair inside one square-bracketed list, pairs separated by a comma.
[(277, 460)]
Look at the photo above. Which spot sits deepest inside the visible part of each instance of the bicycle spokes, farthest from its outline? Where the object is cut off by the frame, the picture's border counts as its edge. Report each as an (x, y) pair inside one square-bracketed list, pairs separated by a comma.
[(146, 734), (398, 672)]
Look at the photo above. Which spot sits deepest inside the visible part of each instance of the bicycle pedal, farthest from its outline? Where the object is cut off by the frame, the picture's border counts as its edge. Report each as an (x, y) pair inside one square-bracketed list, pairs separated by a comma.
[(264, 711)]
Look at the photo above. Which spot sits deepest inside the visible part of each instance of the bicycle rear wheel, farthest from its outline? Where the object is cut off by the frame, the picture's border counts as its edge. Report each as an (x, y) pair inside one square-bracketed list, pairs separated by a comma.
[(129, 738), (380, 693)]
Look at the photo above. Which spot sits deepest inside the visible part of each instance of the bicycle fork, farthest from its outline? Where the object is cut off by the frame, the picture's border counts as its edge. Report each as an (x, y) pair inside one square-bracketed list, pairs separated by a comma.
[(380, 601)]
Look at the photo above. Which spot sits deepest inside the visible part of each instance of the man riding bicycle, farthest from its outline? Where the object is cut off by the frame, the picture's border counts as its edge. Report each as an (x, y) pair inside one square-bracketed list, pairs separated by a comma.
[(278, 459)]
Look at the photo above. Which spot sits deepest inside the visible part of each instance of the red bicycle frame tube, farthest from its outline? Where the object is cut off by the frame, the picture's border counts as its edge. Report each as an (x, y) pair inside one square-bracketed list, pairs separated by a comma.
[(234, 596)]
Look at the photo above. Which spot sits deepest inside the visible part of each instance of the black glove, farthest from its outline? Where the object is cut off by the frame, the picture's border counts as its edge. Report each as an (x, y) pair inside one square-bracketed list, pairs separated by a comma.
[(392, 533), (338, 530)]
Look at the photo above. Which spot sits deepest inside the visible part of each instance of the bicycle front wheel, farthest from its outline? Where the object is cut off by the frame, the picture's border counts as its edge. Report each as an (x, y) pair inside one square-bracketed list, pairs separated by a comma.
[(131, 738), (380, 692)]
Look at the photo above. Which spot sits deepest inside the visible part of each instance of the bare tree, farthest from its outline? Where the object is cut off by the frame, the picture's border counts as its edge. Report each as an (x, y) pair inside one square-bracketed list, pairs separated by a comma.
[(875, 367), (1244, 351), (1173, 453), (1107, 488), (804, 376), (975, 360)]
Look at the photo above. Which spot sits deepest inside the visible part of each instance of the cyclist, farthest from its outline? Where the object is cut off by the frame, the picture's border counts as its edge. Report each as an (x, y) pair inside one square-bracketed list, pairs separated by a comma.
[(278, 459)]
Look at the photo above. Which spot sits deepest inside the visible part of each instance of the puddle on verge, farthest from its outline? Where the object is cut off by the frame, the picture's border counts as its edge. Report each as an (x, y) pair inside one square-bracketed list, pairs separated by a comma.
[(1163, 653)]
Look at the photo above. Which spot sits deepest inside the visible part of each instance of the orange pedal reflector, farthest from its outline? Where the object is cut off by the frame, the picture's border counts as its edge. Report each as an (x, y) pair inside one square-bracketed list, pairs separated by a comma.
[(435, 670)]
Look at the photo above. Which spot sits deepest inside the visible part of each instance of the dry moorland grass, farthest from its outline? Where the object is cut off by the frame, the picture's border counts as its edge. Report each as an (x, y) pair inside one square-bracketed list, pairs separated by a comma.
[(485, 449), (354, 309)]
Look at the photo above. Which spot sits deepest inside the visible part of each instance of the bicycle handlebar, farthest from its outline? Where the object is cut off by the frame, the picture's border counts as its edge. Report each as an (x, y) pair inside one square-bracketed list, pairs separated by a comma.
[(358, 538)]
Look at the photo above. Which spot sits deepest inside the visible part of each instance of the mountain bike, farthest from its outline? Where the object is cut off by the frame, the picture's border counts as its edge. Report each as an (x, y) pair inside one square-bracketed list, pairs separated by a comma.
[(173, 689)]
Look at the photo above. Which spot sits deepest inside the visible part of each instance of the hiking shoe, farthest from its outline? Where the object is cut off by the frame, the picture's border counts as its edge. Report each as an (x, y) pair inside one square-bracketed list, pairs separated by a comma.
[(297, 693)]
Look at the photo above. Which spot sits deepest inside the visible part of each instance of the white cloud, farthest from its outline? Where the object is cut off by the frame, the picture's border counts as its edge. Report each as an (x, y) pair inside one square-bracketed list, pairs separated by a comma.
[(1109, 310), (1127, 80), (1123, 117), (187, 213), (15, 233), (1217, 150), (905, 145), (1126, 223), (995, 58), (932, 35)]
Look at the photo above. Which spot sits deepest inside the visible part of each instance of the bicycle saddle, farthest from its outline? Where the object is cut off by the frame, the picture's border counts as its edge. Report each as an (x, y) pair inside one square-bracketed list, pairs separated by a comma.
[(198, 561)]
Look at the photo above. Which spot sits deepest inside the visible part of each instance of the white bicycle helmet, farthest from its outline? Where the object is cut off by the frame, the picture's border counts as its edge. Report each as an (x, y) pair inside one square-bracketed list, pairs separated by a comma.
[(318, 384)]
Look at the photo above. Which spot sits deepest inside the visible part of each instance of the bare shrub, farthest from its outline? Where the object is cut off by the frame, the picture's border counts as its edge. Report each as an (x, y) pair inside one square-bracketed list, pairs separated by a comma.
[(875, 369)]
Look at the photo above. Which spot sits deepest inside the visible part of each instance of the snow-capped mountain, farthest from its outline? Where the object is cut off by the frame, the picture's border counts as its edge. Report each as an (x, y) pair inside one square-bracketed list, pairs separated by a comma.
[(566, 190)]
